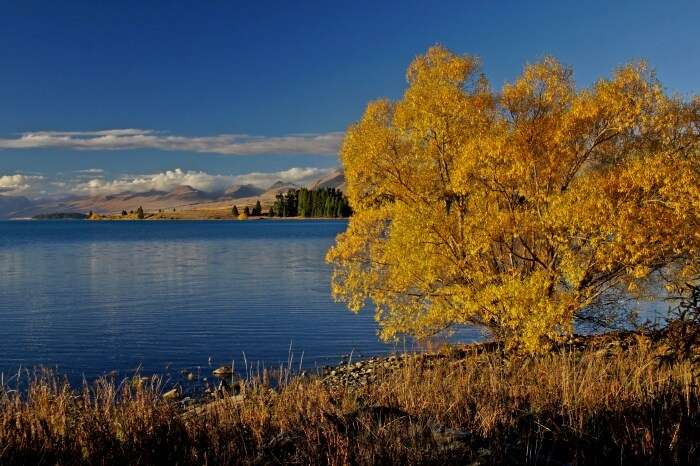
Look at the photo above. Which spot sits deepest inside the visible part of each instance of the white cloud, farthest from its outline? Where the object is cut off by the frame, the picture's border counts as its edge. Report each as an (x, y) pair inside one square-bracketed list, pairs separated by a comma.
[(92, 182), (165, 181), (19, 184), (228, 144), (91, 171), (171, 179), (299, 176)]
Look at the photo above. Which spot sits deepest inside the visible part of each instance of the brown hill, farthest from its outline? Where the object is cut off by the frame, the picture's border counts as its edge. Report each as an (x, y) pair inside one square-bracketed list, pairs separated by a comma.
[(335, 179), (14, 206), (239, 191), (183, 197)]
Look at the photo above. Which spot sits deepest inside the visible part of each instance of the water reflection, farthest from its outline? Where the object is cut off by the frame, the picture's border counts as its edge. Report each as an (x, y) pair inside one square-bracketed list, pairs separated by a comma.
[(90, 297)]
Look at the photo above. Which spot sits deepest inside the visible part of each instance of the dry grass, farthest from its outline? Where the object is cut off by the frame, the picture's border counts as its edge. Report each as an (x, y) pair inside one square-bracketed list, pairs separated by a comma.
[(591, 407)]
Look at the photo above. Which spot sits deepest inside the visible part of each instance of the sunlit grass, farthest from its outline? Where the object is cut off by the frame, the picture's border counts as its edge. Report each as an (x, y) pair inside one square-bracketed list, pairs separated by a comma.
[(606, 405)]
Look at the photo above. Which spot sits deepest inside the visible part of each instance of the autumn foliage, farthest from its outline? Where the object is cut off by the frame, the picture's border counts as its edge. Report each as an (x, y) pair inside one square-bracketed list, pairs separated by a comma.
[(521, 210)]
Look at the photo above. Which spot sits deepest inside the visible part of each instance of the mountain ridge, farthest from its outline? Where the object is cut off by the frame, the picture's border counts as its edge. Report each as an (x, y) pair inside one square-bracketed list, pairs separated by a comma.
[(181, 197)]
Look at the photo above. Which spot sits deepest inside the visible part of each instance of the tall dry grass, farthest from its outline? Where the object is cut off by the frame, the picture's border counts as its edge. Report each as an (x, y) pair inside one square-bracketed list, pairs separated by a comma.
[(611, 406)]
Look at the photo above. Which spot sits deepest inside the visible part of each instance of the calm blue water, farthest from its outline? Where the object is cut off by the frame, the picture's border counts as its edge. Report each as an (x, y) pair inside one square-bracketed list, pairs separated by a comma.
[(92, 297)]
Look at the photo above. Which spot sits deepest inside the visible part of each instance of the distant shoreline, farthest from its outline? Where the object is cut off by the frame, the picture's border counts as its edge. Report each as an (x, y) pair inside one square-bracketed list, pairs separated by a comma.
[(167, 219)]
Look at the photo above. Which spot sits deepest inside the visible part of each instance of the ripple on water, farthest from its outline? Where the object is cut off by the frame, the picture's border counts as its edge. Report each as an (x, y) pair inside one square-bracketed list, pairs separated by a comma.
[(91, 297)]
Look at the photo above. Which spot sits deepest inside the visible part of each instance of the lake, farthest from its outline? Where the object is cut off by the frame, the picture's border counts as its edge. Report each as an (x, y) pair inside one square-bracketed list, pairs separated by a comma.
[(88, 298)]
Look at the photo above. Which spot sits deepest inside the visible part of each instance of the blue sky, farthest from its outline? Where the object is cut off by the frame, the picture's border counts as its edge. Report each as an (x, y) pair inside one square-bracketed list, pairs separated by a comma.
[(230, 88)]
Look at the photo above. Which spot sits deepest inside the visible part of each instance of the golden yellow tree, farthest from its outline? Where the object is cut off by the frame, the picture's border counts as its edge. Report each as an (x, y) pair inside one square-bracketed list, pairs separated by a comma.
[(517, 211)]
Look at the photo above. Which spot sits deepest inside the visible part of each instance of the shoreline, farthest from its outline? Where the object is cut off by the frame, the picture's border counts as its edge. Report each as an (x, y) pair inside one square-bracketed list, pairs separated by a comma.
[(231, 219), (116, 219)]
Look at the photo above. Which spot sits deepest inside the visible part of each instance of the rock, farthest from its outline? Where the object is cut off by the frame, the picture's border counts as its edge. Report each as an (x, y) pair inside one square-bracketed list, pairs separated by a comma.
[(449, 438), (222, 389), (223, 371), (238, 388), (187, 401), (140, 381), (213, 406), (171, 394)]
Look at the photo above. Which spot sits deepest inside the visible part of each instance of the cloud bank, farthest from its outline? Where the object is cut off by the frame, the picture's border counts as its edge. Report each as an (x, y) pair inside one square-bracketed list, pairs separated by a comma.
[(296, 175), (93, 182), (19, 184), (226, 144), (165, 181), (212, 183)]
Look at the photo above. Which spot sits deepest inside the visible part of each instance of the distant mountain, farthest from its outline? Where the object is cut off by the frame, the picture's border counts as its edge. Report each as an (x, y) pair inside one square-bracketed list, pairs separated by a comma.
[(279, 184), (279, 187), (14, 206), (182, 197), (335, 179), (132, 195), (105, 204), (186, 193), (238, 191)]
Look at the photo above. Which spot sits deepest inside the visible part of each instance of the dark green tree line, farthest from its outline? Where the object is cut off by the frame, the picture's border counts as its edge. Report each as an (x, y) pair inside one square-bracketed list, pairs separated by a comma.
[(329, 202)]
